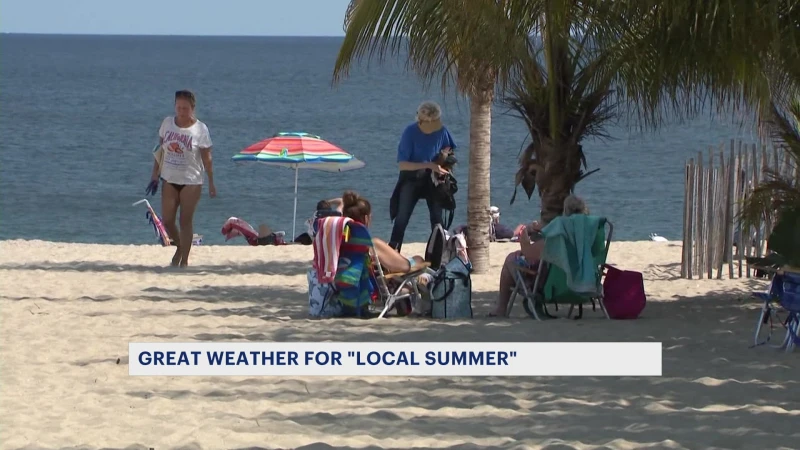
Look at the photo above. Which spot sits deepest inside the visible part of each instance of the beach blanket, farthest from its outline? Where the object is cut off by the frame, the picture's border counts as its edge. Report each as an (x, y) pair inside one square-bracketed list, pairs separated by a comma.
[(235, 227), (327, 243), (569, 242)]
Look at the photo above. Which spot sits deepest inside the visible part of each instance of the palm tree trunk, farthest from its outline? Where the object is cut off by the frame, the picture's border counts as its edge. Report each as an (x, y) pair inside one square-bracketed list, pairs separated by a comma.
[(479, 186), (557, 181)]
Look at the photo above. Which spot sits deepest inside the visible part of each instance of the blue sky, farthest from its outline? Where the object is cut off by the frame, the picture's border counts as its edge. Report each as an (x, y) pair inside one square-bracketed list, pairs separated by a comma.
[(193, 17)]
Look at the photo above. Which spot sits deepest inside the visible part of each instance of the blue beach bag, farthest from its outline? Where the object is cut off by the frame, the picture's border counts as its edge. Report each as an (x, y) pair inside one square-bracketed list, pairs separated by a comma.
[(451, 291)]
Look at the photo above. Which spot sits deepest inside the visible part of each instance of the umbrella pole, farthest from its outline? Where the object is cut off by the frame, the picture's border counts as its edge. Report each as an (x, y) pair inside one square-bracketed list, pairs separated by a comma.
[(294, 216)]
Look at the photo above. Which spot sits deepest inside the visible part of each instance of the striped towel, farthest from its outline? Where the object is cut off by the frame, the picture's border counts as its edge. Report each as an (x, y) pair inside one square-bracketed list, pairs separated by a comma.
[(327, 242)]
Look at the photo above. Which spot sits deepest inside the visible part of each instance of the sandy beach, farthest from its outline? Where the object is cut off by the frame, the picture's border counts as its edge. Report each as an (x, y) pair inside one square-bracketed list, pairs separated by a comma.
[(69, 311)]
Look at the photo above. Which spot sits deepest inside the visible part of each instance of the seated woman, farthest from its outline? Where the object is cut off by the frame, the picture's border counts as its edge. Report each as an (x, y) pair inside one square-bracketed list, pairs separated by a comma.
[(528, 255), (359, 209)]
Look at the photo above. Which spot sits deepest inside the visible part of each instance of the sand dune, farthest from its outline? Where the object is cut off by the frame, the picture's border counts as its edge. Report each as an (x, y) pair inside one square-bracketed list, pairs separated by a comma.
[(69, 311)]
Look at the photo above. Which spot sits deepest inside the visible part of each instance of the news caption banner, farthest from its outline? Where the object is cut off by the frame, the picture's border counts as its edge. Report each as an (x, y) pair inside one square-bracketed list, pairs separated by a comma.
[(438, 359)]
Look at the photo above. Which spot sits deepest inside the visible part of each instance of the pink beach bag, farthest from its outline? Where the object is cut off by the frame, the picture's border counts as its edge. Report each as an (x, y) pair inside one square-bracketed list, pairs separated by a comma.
[(623, 293)]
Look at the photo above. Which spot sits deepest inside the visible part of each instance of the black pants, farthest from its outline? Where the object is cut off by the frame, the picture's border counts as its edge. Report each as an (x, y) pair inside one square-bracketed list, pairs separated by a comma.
[(413, 186)]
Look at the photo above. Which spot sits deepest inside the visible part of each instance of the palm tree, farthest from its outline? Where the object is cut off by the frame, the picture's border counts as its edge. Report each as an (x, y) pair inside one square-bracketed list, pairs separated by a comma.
[(777, 198), (598, 61), (472, 44)]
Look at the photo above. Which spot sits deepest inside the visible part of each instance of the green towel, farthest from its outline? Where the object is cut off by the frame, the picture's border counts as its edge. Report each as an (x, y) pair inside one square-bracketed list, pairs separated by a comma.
[(568, 245)]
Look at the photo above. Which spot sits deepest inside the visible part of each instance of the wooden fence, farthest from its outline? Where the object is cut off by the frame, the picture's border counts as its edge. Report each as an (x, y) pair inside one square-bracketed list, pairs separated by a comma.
[(713, 239)]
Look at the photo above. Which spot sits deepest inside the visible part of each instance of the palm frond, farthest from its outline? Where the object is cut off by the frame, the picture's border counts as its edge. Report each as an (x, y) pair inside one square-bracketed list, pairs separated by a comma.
[(462, 42), (780, 191)]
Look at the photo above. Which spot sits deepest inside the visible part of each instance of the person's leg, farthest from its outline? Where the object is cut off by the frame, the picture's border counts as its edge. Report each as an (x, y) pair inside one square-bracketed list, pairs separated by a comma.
[(507, 283), (264, 230), (170, 200), (408, 199), (189, 198)]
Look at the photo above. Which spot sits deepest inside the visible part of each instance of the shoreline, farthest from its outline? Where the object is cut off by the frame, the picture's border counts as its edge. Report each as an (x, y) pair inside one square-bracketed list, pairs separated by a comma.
[(71, 310)]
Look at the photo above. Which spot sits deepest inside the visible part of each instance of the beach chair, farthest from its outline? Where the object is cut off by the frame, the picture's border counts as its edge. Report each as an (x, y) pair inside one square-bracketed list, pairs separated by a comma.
[(394, 287), (771, 315), (781, 305), (158, 226), (790, 301), (360, 282), (549, 284)]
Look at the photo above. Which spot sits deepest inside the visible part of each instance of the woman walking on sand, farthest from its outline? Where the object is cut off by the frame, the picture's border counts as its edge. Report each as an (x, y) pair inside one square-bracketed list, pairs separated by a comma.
[(183, 156), (419, 148)]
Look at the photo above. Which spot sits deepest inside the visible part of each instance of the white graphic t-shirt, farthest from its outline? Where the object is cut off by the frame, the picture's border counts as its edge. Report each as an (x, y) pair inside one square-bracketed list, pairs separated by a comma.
[(182, 162)]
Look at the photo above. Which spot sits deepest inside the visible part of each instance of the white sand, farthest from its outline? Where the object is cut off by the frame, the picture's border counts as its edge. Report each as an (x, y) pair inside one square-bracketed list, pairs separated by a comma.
[(69, 311)]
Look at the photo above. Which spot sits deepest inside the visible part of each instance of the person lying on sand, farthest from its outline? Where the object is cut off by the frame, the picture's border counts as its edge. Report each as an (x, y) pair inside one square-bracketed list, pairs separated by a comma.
[(529, 254), (234, 227), (497, 231)]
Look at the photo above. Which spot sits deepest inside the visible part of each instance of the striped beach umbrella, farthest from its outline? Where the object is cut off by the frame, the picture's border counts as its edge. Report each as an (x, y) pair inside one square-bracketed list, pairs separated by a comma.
[(297, 151)]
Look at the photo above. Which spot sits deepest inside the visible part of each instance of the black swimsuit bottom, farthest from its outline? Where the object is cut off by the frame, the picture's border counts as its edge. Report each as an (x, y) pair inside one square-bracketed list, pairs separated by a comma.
[(177, 187)]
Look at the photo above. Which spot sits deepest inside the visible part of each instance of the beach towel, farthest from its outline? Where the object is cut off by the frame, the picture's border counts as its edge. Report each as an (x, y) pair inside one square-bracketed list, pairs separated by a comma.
[(354, 281), (235, 227), (569, 242), (327, 243)]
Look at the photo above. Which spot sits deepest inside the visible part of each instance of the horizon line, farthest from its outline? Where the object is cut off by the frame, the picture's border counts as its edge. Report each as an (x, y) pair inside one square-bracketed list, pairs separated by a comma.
[(168, 35)]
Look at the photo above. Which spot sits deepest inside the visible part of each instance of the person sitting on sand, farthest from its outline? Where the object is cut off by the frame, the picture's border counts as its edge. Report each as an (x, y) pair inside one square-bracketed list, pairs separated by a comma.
[(325, 208), (528, 255), (497, 231)]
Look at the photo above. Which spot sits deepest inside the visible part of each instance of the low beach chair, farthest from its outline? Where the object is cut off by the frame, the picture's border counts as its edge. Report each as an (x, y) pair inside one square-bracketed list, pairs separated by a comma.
[(551, 283), (781, 305), (394, 287), (340, 278), (771, 315), (158, 226)]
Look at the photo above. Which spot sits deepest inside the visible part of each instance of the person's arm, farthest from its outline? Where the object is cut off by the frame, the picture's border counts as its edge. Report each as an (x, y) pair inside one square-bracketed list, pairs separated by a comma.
[(449, 141), (206, 147), (157, 157), (337, 203), (532, 251), (391, 259), (156, 172), (404, 152), (406, 165), (205, 154)]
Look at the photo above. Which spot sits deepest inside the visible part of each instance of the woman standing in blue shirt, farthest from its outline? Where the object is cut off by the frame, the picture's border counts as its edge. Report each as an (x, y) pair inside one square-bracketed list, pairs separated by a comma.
[(420, 145)]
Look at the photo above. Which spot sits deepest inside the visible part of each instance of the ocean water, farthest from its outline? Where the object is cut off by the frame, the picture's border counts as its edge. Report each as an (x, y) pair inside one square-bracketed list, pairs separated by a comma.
[(79, 116)]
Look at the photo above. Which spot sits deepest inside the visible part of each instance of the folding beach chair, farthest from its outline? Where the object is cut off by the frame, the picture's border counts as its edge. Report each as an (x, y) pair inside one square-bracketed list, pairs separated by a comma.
[(397, 286), (158, 227), (771, 314), (548, 285), (781, 305)]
